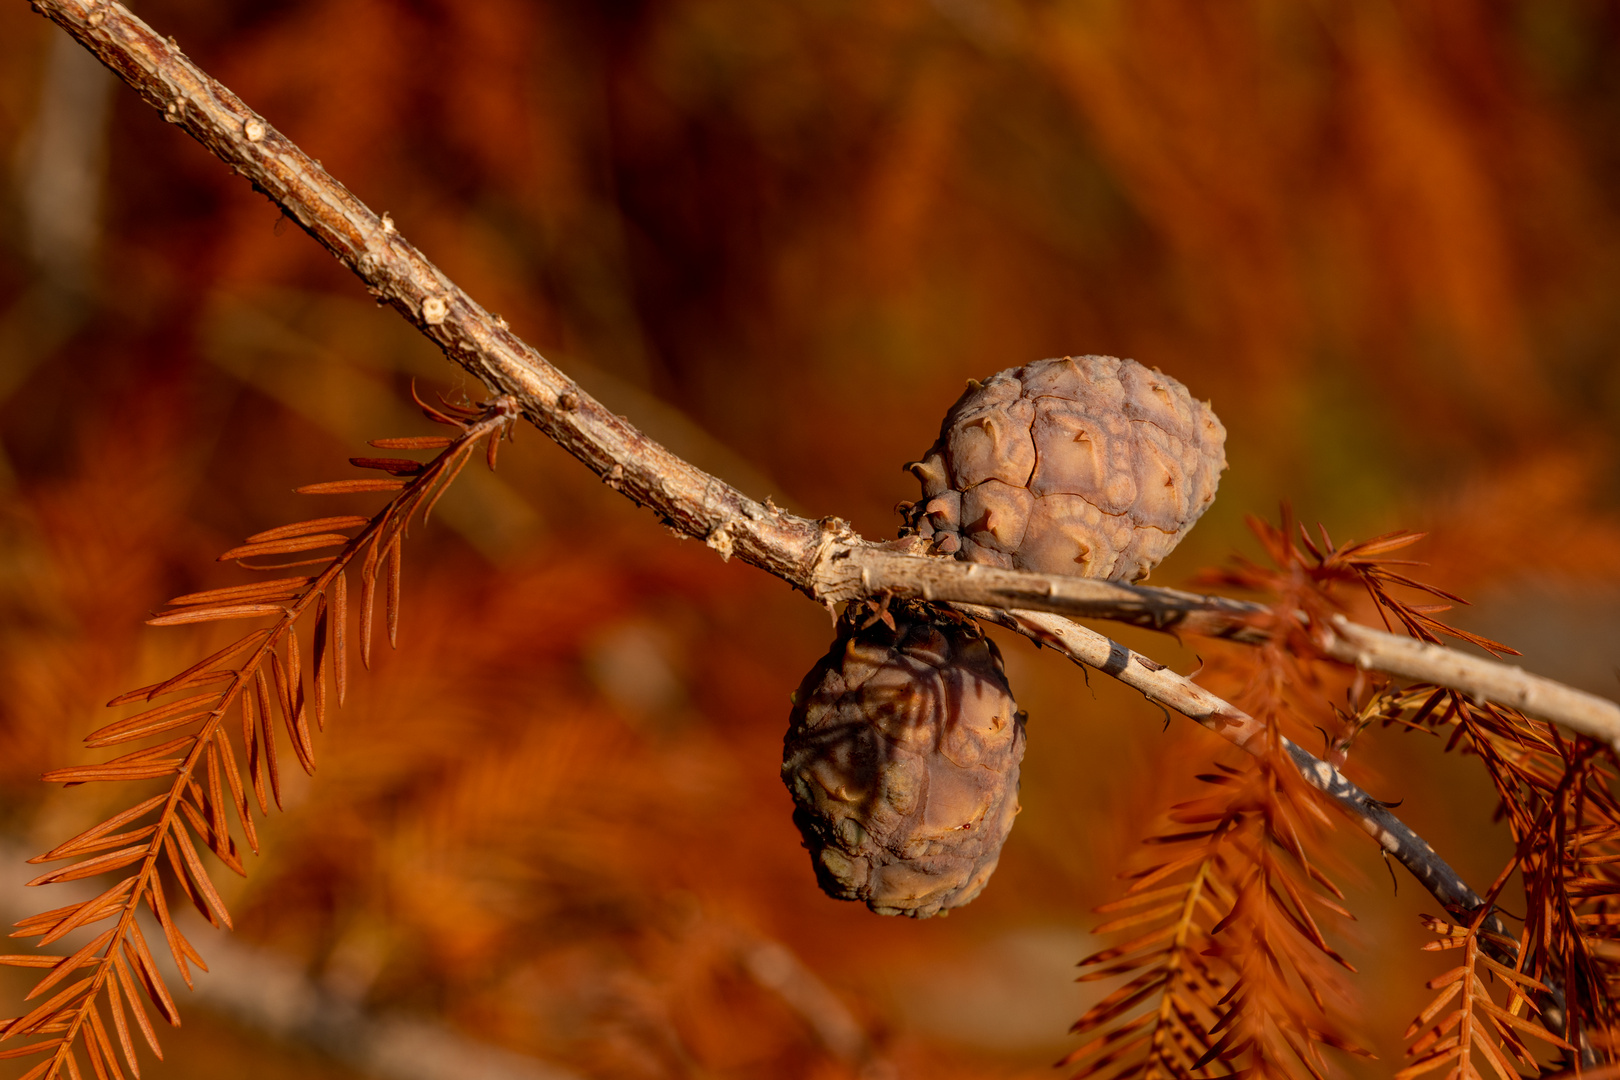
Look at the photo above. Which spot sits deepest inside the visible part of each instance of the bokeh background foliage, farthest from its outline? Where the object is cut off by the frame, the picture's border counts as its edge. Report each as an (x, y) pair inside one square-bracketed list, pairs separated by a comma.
[(1383, 239)]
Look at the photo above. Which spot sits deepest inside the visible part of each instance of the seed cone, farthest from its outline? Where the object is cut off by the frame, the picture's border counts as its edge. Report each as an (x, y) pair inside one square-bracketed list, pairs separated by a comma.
[(1089, 465), (902, 756)]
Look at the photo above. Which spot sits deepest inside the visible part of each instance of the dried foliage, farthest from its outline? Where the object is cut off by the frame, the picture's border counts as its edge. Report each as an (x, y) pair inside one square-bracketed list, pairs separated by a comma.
[(1556, 796), (1236, 968), (210, 778), (1230, 953), (1477, 1027), (1218, 988)]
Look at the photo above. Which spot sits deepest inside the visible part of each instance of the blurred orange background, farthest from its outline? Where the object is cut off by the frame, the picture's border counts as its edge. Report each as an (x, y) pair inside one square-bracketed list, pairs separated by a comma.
[(1383, 239)]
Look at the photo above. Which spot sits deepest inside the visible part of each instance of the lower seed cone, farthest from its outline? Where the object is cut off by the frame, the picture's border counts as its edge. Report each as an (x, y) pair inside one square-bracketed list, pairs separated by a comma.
[(902, 756)]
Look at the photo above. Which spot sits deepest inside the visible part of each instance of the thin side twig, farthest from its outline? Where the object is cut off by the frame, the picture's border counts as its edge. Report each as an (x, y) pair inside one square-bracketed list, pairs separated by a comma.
[(1165, 687)]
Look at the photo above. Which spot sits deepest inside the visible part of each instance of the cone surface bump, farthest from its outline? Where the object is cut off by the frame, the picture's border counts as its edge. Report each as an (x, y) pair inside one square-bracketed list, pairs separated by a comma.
[(1088, 465), (902, 757)]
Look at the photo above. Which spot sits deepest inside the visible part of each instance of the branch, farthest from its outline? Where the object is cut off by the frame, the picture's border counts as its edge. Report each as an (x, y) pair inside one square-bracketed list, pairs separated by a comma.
[(855, 571), (395, 272), (1488, 680), (850, 572), (1164, 687), (826, 559)]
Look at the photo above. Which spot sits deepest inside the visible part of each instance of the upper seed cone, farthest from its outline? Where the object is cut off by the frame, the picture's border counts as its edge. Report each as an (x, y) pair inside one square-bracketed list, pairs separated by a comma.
[(902, 756), (1088, 465)]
